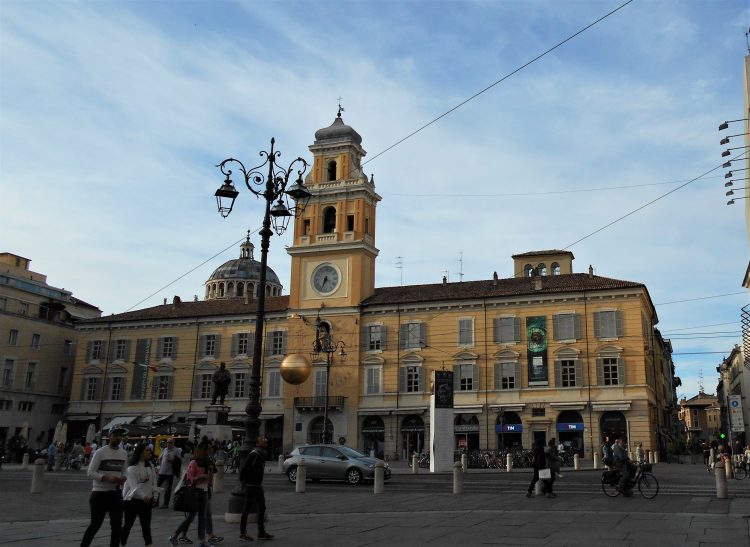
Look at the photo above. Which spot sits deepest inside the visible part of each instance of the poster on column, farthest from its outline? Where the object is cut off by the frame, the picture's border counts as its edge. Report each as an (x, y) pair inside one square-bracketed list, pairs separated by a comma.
[(536, 335)]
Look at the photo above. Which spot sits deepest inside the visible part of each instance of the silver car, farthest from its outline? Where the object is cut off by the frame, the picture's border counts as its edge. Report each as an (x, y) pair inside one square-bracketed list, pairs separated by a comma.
[(333, 462)]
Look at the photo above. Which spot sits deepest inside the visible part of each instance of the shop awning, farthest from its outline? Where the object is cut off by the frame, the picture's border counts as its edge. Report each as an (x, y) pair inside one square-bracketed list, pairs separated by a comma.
[(119, 420), (81, 417), (146, 418)]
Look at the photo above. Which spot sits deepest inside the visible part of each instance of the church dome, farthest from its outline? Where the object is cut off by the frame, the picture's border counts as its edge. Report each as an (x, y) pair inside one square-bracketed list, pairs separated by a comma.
[(337, 131), (240, 277)]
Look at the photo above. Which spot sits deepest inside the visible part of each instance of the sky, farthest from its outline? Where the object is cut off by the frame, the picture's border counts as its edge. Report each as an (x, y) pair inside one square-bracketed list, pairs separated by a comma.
[(113, 116)]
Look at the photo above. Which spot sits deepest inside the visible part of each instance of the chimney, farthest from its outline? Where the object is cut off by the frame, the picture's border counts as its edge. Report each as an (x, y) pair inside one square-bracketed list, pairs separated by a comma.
[(195, 298), (165, 301), (591, 271), (445, 280), (537, 279), (494, 278), (176, 301)]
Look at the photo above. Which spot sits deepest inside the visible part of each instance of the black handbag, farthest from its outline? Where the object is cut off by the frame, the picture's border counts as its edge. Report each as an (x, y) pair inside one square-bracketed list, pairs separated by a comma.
[(187, 499)]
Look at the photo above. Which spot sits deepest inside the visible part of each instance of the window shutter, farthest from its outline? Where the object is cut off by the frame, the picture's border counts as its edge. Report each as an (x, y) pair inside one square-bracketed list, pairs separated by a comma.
[(127, 350), (84, 382), (89, 350), (402, 378), (556, 329), (202, 346), (422, 339), (160, 348), (620, 371), (383, 332), (576, 331), (112, 351), (579, 372), (599, 371), (420, 379), (283, 342), (496, 330), (498, 375), (517, 329), (618, 323), (232, 382), (475, 379), (235, 344), (456, 378), (269, 345), (558, 373), (365, 338), (517, 379), (597, 325), (250, 344), (174, 348), (217, 345)]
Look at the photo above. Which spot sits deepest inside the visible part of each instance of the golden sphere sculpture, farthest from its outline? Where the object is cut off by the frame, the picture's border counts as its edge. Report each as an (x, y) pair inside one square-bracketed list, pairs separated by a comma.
[(295, 369)]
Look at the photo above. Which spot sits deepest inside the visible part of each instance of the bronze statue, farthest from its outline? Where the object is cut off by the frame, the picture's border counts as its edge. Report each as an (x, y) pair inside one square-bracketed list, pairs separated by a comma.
[(221, 380)]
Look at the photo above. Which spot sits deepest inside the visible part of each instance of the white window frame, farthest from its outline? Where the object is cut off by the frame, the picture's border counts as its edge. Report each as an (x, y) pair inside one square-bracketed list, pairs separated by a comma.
[(373, 379), (240, 384), (13, 336), (119, 382), (374, 343), (277, 342), (412, 340), (167, 347), (465, 382), (569, 324), (502, 339), (204, 386), (412, 379), (92, 384), (161, 386), (568, 371), (512, 365), (30, 381), (608, 362), (23, 308), (210, 348), (121, 349), (320, 378), (243, 342), (97, 347), (466, 329)]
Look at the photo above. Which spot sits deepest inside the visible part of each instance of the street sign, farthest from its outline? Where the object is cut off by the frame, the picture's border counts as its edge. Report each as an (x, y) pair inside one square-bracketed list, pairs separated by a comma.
[(735, 413)]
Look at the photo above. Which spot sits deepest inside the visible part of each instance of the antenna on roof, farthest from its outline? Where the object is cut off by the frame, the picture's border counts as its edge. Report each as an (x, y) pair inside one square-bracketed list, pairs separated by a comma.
[(400, 266), (700, 381), (460, 266)]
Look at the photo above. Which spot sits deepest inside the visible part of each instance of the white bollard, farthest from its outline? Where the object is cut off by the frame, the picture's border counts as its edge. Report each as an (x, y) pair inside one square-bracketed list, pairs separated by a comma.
[(651, 457), (728, 468), (299, 486), (458, 478), (414, 463), (379, 477), (721, 483), (576, 462), (37, 476), (219, 478), (281, 464), (25, 461), (596, 460), (656, 457), (711, 459), (509, 463), (539, 488), (465, 462)]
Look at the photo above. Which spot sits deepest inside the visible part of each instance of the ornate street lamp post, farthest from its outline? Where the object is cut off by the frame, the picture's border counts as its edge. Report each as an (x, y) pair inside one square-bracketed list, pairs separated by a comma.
[(324, 344), (272, 187)]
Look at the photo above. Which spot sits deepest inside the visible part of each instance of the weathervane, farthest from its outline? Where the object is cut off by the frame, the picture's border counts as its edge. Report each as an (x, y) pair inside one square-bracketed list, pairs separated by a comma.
[(341, 108)]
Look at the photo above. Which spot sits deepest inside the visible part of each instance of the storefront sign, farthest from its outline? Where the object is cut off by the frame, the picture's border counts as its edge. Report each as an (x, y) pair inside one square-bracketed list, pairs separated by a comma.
[(536, 336), (735, 413), (569, 427), (466, 428), (508, 428)]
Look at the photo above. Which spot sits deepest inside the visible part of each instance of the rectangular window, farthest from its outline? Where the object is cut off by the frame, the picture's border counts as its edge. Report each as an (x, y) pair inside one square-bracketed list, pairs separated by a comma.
[(167, 348), (28, 382), (115, 393), (607, 324), (566, 326), (96, 350), (372, 380), (162, 387), (466, 332), (277, 342), (36, 340), (204, 385), (242, 339), (465, 377), (25, 406), (568, 373), (23, 308), (62, 380), (6, 404), (273, 388), (8, 367), (412, 379), (374, 337), (306, 227), (3, 304), (58, 408), (13, 337), (507, 330), (319, 386), (239, 384), (121, 350), (349, 223), (68, 348), (92, 385), (413, 335), (210, 345), (508, 378), (609, 370)]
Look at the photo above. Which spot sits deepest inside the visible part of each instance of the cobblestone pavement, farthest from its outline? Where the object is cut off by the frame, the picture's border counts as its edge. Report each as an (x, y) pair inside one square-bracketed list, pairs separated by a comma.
[(418, 510)]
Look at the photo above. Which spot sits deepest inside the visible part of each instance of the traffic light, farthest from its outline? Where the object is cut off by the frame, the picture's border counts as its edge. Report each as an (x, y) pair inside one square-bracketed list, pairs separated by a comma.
[(722, 436)]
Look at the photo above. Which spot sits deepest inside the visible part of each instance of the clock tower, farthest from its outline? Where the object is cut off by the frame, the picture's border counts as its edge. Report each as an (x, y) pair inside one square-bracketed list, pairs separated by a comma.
[(333, 254)]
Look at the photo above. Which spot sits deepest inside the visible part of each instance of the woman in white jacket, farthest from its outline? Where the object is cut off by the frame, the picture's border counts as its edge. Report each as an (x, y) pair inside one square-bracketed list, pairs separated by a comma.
[(139, 493)]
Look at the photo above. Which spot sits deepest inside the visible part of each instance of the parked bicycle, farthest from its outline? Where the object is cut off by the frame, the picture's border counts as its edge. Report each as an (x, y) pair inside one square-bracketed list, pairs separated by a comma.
[(740, 470), (646, 482), (423, 460)]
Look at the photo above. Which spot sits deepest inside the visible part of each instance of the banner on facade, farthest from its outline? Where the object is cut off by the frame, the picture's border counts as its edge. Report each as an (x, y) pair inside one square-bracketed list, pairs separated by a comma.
[(443, 389), (735, 413), (536, 335), (140, 373)]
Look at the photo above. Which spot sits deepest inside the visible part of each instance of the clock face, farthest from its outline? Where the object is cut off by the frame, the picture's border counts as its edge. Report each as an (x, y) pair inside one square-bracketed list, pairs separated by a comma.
[(325, 279)]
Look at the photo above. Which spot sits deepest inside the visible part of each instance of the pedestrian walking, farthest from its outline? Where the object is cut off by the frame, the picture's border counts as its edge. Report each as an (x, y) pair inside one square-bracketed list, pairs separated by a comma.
[(167, 464), (198, 475), (212, 538), (251, 478), (87, 453), (139, 493), (51, 455), (107, 470), (539, 461), (553, 462)]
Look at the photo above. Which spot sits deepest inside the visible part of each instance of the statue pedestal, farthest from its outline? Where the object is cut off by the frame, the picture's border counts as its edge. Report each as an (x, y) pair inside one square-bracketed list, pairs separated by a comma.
[(217, 427), (217, 414)]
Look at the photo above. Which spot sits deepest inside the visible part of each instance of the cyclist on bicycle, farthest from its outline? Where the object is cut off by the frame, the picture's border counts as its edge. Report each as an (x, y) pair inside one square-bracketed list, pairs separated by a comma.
[(624, 466)]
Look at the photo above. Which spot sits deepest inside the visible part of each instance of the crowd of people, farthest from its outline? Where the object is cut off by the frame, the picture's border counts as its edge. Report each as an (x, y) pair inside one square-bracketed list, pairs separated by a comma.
[(129, 482)]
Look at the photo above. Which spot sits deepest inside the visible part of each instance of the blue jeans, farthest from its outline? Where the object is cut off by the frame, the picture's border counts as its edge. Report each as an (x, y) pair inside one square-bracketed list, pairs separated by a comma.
[(189, 517)]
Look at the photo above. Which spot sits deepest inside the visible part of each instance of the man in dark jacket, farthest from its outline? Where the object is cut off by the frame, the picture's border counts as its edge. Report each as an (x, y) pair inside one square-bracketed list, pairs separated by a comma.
[(539, 461), (623, 465), (251, 477)]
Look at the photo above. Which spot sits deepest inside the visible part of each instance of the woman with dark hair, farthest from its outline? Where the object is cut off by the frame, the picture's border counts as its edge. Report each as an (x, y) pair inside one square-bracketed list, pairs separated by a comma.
[(199, 476), (139, 493)]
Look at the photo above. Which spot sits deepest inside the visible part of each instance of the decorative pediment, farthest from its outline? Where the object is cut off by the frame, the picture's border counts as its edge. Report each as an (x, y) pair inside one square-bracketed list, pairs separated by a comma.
[(115, 368), (373, 360), (465, 356), (610, 348), (507, 354), (206, 367), (562, 353), (412, 359), (92, 371)]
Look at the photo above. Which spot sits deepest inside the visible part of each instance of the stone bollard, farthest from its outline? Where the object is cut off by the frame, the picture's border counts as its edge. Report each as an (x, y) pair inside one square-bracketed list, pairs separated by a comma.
[(299, 486), (721, 483), (281, 464), (509, 463), (37, 476), (458, 478), (539, 488), (465, 462), (651, 456), (728, 468), (379, 477), (414, 463), (219, 478), (25, 461), (596, 460), (656, 457), (576, 462)]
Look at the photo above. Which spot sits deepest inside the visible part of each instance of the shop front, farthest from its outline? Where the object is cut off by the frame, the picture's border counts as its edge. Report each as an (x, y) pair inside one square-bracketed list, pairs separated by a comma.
[(570, 428), (509, 430), (412, 435), (466, 431), (373, 436), (613, 425)]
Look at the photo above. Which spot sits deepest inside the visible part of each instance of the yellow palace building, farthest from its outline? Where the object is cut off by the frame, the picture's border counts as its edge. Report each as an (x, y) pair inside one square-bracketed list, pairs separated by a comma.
[(546, 353)]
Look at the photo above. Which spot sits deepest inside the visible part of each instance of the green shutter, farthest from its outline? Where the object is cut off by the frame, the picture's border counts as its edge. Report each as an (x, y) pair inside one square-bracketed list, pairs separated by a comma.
[(420, 379), (89, 350), (475, 380), (283, 342), (127, 351), (599, 371), (365, 338), (383, 332), (160, 347), (618, 323), (170, 387), (402, 379), (576, 330), (202, 346), (558, 373), (174, 348), (250, 344), (517, 379), (517, 329), (498, 376), (269, 345), (556, 328), (579, 373), (217, 346), (422, 336), (403, 334), (597, 325), (620, 371), (496, 330)]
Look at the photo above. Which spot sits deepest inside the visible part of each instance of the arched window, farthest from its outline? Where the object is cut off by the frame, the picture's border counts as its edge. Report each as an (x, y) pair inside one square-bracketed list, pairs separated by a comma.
[(208, 291), (329, 220), (528, 270), (221, 290), (230, 289), (542, 268), (332, 170), (268, 291), (555, 268), (240, 289), (251, 289)]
